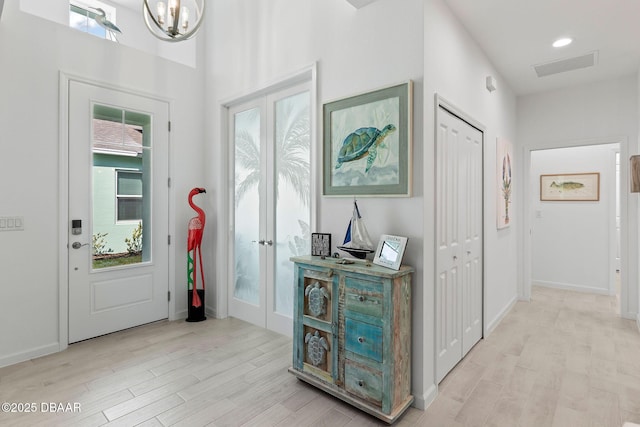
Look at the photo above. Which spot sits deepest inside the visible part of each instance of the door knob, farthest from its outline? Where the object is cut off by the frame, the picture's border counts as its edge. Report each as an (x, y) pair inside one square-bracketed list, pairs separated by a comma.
[(78, 245), (263, 242)]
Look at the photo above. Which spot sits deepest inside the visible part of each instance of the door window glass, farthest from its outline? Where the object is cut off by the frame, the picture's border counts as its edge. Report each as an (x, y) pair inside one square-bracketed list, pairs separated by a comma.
[(121, 147), (293, 231), (247, 200)]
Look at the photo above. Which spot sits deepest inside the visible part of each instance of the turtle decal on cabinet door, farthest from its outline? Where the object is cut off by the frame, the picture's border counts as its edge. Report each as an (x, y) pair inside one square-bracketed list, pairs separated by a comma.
[(316, 347), (317, 296)]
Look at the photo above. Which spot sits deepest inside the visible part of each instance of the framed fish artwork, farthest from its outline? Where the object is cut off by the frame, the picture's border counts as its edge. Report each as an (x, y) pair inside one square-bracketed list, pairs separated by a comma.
[(580, 187), (367, 143)]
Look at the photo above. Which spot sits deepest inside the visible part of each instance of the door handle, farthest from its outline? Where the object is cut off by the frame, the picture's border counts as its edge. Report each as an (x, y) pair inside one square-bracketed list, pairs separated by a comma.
[(78, 245), (263, 242)]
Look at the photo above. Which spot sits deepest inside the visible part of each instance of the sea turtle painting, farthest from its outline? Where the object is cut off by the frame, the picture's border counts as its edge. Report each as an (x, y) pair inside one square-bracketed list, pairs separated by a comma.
[(316, 347), (317, 296), (363, 142)]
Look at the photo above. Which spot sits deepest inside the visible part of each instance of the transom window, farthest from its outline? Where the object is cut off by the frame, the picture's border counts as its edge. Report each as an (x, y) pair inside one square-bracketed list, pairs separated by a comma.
[(83, 16)]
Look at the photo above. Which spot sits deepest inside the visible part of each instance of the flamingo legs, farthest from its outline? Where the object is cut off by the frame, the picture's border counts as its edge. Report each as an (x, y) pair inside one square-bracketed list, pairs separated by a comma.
[(192, 275)]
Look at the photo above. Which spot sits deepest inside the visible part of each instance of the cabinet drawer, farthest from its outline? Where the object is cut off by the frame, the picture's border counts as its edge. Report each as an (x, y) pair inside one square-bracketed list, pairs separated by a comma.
[(363, 382), (363, 339), (363, 302)]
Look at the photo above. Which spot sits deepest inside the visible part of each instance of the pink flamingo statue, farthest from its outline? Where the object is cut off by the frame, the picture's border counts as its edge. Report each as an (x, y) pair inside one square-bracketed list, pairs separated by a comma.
[(194, 241)]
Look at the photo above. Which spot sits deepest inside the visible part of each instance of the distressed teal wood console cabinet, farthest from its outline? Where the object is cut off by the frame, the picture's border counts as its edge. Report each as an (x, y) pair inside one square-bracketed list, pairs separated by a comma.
[(352, 333)]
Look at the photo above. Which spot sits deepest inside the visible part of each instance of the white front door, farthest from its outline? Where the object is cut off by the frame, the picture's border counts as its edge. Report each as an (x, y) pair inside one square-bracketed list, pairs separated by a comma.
[(118, 210), (459, 240), (270, 146)]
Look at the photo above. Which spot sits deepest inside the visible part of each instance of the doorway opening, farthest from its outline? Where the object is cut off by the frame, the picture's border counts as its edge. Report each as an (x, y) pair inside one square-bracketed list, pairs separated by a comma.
[(575, 220)]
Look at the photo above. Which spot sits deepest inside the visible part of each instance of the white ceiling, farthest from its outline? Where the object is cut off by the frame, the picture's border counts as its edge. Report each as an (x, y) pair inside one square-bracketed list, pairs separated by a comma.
[(131, 4), (517, 34)]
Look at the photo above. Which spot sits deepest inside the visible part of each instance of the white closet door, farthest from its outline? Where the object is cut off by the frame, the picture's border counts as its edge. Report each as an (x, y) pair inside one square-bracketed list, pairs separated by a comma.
[(471, 231), (459, 240)]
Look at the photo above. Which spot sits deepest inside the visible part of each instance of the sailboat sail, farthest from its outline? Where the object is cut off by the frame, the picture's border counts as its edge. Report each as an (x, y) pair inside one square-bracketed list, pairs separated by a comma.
[(356, 240)]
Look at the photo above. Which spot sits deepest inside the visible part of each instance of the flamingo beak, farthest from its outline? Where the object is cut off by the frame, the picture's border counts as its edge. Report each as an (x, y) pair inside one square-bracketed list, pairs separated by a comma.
[(202, 190)]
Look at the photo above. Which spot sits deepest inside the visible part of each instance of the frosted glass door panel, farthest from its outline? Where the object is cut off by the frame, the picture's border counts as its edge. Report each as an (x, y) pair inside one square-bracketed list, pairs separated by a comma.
[(247, 201), (271, 142), (293, 234), (121, 187)]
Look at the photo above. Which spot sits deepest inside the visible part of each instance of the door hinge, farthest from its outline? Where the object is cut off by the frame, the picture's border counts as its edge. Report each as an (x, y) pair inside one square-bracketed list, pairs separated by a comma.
[(169, 239), (169, 182), (168, 295), (169, 125)]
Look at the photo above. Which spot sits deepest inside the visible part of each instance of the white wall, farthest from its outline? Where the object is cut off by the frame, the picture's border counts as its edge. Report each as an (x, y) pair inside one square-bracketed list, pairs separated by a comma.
[(33, 52), (134, 32), (636, 202), (599, 113), (572, 240), (456, 68), (252, 44)]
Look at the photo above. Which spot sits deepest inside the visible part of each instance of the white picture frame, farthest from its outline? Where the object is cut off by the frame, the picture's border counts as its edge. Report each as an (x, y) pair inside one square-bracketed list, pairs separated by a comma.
[(390, 251)]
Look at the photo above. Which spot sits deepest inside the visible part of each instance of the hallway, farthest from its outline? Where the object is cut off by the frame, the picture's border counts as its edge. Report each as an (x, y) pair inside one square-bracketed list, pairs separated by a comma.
[(565, 359)]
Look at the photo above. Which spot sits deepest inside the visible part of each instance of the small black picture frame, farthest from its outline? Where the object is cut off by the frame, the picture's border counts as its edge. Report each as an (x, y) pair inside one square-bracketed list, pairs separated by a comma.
[(320, 244)]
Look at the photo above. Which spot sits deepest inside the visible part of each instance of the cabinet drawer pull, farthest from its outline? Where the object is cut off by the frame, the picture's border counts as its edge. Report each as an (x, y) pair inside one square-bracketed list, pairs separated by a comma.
[(360, 383), (361, 298), (360, 340)]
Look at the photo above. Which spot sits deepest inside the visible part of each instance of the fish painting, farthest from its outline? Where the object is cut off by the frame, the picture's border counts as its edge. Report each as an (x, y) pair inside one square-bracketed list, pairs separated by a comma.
[(566, 186)]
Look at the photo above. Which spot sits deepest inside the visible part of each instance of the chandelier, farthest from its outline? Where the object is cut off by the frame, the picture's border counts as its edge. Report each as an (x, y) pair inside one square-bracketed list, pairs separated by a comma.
[(173, 22)]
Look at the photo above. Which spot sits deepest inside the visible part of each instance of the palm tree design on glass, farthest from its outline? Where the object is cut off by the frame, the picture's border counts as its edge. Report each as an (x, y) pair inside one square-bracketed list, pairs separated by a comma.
[(291, 146)]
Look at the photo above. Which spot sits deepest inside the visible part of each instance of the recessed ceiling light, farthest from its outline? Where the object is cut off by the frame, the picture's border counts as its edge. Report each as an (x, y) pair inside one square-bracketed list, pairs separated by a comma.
[(562, 42)]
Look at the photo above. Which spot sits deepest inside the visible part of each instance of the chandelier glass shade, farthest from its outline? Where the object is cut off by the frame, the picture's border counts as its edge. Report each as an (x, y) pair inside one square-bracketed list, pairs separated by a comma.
[(174, 20)]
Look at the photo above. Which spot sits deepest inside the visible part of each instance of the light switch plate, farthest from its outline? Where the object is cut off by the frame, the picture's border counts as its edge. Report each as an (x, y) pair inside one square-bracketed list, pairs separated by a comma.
[(11, 223)]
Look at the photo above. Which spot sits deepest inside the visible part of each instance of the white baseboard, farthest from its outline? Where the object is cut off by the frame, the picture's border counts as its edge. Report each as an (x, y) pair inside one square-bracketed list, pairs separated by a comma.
[(496, 321), (23, 356), (570, 287), (210, 312), (423, 401), (181, 315)]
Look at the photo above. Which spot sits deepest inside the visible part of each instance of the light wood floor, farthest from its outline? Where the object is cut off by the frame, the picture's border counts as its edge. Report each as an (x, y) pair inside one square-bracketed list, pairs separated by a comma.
[(565, 359)]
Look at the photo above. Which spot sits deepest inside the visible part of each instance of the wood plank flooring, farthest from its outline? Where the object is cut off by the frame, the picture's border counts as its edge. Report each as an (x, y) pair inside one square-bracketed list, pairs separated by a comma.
[(565, 359)]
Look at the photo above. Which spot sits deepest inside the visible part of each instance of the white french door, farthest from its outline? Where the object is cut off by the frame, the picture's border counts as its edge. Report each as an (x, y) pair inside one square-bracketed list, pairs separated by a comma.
[(118, 210), (459, 240), (270, 158)]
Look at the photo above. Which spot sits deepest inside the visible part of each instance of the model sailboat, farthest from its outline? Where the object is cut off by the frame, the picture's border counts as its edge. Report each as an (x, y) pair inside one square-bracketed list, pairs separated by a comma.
[(356, 240)]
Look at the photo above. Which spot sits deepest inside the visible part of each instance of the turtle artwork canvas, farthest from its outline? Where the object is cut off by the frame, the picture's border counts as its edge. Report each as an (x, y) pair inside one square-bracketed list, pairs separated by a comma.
[(367, 144)]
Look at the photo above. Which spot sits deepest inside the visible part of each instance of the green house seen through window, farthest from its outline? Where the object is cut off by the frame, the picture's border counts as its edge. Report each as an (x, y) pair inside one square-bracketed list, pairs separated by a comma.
[(129, 195)]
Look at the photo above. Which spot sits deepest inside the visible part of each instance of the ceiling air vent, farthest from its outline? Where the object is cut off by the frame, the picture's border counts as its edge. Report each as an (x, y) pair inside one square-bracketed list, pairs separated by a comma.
[(569, 64)]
